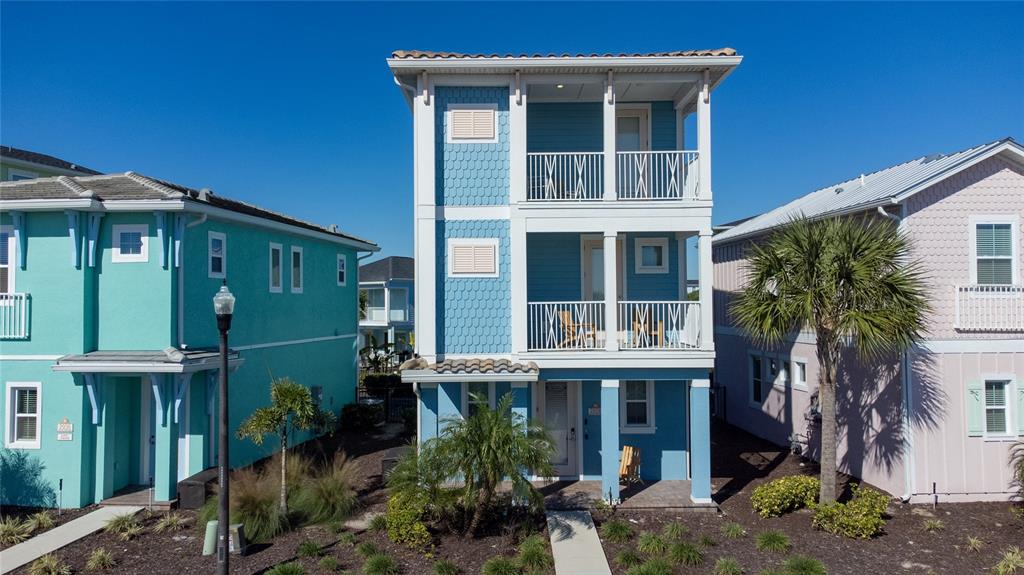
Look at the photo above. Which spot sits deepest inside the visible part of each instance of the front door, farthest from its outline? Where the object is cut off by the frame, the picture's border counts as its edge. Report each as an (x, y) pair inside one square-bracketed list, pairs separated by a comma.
[(560, 419), (593, 270), (631, 130)]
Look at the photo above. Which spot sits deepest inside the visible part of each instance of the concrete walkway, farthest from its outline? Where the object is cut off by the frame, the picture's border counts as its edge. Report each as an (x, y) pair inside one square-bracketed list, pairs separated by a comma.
[(575, 544), (54, 539)]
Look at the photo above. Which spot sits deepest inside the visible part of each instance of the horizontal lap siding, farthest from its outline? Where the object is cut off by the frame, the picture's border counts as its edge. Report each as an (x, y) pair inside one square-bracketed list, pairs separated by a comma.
[(648, 287), (565, 127), (663, 453), (553, 267)]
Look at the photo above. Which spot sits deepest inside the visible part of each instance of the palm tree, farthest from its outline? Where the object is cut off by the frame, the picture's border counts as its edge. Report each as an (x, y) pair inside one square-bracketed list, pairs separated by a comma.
[(486, 448), (291, 409), (851, 281), (1017, 468)]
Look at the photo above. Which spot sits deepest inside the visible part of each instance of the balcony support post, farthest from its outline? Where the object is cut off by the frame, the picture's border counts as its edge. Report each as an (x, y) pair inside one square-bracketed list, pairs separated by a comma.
[(611, 291), (704, 139), (610, 440), (610, 186), (707, 270)]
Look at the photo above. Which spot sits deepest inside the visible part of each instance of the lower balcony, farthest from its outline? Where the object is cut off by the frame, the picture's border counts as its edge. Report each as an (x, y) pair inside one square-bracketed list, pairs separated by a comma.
[(642, 325), (989, 308), (14, 320)]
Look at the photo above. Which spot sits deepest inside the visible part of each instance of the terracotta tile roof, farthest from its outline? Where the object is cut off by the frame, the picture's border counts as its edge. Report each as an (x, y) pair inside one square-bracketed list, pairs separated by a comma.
[(471, 366), (426, 54)]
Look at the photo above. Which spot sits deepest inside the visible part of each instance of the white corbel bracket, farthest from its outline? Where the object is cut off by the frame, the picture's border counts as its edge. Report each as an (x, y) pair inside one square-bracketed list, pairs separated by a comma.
[(180, 387), (705, 86), (94, 396), (610, 88), (519, 89), (76, 245), (93, 232), (18, 219), (425, 87), (157, 384)]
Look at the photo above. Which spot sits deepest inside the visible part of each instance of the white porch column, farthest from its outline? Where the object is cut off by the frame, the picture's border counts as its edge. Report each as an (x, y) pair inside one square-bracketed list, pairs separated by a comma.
[(426, 249), (517, 268), (517, 224), (517, 141), (609, 140), (707, 270), (611, 291), (704, 139)]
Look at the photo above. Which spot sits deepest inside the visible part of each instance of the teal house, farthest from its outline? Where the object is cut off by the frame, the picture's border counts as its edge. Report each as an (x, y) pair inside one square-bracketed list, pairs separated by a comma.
[(108, 361), (560, 202)]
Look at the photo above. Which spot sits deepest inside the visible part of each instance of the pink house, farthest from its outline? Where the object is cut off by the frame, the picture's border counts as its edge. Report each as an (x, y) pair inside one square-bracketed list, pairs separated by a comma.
[(942, 417)]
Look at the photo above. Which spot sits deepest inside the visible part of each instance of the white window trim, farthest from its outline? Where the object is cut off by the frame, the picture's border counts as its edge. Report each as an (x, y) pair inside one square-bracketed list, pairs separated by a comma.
[(9, 431), (790, 361), (23, 173), (647, 428), (270, 268), (291, 269), (1014, 222), (223, 255), (639, 245), (12, 259), (751, 354), (452, 242), (342, 270), (491, 399), (115, 255), (1011, 417), (481, 106), (391, 301)]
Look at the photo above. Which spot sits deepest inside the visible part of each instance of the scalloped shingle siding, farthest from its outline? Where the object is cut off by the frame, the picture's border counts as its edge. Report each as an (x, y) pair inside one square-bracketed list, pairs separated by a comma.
[(471, 174)]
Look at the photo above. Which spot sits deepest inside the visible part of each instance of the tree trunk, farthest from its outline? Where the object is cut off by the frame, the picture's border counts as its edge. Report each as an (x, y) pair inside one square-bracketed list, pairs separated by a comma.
[(828, 357), (483, 500), (284, 473)]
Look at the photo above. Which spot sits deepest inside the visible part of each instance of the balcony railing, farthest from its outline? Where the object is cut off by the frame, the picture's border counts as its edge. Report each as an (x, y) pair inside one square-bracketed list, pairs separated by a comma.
[(656, 175), (572, 176), (659, 325), (14, 310), (565, 325), (995, 308)]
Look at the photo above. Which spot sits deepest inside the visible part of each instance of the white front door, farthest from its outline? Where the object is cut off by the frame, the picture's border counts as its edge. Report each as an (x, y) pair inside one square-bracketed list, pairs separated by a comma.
[(593, 269), (561, 416), (631, 130)]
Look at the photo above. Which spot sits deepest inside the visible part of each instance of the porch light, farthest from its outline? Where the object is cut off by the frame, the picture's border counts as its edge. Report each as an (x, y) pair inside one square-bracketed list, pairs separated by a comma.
[(560, 86)]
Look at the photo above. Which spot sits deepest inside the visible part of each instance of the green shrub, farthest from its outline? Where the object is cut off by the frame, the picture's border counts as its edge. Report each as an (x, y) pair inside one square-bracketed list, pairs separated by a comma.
[(445, 567), (534, 555), (733, 530), (329, 496), (727, 566), (255, 503), (617, 531), (860, 518), (329, 563), (309, 548), (685, 554), (39, 521), (652, 567), (380, 565), (974, 544), (803, 565), (367, 550), (500, 566), (674, 531), (169, 523), (933, 525), (13, 531), (49, 564), (628, 558), (287, 569), (651, 544), (359, 417), (120, 523), (100, 560), (347, 539), (773, 542), (378, 523), (705, 541), (785, 495), (1011, 562), (404, 520)]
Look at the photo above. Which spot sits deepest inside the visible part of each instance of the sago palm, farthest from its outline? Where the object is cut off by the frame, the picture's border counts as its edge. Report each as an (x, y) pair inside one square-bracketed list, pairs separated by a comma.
[(291, 410), (486, 448), (851, 281)]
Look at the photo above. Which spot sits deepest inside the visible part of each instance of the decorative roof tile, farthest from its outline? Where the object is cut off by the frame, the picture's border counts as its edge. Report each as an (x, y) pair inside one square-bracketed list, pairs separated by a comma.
[(475, 366)]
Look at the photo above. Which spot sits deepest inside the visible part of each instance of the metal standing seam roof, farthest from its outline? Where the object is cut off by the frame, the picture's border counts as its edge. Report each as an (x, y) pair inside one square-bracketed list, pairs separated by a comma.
[(426, 54), (866, 191), (43, 160)]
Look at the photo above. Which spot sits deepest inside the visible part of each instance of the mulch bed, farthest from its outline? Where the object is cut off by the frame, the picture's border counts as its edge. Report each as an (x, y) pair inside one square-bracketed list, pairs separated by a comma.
[(23, 513)]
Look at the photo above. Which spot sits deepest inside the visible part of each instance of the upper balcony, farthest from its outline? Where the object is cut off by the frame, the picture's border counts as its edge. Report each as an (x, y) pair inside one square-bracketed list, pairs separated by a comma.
[(989, 308), (639, 175), (14, 315)]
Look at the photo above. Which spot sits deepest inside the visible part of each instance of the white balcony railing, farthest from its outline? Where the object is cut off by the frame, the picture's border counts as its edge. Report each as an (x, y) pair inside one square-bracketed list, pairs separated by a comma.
[(572, 176), (14, 315), (659, 325), (996, 308), (656, 175), (565, 325)]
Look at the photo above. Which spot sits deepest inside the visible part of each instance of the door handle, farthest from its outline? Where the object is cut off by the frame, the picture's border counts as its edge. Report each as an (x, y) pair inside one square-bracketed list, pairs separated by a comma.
[(572, 434)]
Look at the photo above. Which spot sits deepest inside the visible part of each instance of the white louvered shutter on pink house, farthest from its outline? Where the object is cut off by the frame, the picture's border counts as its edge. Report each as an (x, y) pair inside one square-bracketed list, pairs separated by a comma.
[(472, 124)]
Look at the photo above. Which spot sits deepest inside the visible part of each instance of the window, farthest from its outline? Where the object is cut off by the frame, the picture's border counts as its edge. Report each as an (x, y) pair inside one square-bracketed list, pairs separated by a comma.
[(993, 250), (636, 409), (275, 268), (7, 259), (478, 394), (996, 408), (798, 373), (651, 256), (23, 411), (130, 243), (375, 309), (473, 257), (296, 269), (756, 380), (218, 254), (342, 271), (399, 304), (472, 123)]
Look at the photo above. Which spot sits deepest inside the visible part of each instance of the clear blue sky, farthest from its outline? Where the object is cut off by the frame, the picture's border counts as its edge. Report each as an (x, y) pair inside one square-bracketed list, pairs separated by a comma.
[(292, 106)]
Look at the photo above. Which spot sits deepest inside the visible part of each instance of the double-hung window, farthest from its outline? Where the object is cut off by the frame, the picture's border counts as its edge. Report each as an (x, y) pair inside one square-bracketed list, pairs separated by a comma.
[(478, 394), (296, 269), (131, 243), (637, 406), (23, 412), (997, 409), (7, 259), (342, 270), (217, 255), (275, 270), (756, 380), (994, 252), (798, 374)]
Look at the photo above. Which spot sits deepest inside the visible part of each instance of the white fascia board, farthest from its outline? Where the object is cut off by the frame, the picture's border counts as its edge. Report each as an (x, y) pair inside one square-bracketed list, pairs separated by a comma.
[(125, 367), (143, 205), (46, 205), (599, 63), (428, 376)]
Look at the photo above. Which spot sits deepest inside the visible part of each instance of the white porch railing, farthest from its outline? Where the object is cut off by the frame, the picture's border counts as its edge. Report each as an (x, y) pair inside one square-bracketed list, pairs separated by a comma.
[(14, 315), (659, 325), (565, 325), (997, 308), (656, 175), (568, 176)]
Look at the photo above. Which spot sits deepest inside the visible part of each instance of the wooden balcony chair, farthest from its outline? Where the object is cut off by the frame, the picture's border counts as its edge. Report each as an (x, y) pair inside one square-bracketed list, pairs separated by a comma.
[(574, 333), (646, 334), (629, 466)]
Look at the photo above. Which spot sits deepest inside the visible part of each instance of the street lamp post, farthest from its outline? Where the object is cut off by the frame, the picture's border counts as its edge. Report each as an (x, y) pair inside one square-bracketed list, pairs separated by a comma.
[(224, 307)]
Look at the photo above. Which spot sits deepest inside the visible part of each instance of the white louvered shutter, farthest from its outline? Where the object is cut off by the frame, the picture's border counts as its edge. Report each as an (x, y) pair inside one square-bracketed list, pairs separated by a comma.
[(483, 259), (472, 124), (473, 259), (462, 259)]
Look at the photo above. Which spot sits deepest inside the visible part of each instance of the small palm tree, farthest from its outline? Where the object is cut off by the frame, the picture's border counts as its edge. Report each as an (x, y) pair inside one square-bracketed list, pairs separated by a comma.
[(849, 280), (486, 448), (291, 410), (1017, 468)]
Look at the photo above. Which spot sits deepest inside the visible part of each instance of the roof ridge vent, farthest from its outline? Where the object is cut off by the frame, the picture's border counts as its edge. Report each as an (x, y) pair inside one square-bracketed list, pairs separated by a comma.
[(333, 228), (933, 157), (153, 185), (838, 189), (862, 179), (75, 187), (204, 194)]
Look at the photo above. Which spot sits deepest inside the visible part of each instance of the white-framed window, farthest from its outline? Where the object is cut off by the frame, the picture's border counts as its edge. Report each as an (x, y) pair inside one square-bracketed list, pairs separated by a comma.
[(994, 244), (376, 306), (651, 256), (23, 408), (636, 406), (276, 267), (130, 243), (472, 123), (399, 303), (798, 373), (16, 175), (477, 394), (473, 257), (296, 265), (342, 270), (217, 255), (997, 408), (8, 257), (756, 380)]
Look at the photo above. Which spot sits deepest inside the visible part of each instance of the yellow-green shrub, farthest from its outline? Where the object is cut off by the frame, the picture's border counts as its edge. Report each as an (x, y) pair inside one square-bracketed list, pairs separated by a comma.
[(405, 521), (785, 495), (860, 518)]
